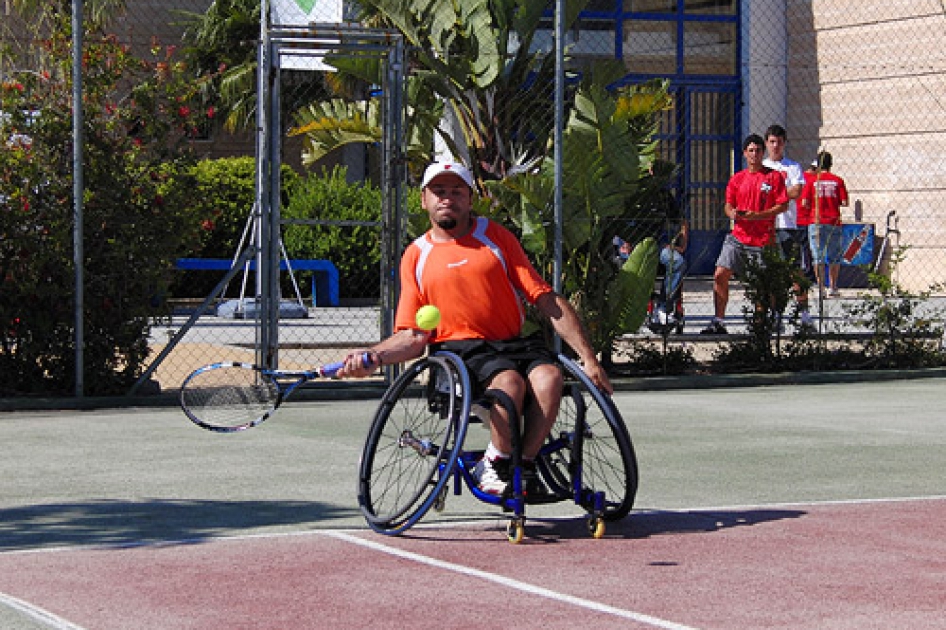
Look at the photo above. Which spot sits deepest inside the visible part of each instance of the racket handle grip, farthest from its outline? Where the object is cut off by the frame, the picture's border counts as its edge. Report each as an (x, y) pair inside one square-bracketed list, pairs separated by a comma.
[(331, 369)]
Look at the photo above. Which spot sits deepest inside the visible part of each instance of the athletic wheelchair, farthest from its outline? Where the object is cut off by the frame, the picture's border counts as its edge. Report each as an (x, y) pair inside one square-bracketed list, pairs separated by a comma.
[(415, 447)]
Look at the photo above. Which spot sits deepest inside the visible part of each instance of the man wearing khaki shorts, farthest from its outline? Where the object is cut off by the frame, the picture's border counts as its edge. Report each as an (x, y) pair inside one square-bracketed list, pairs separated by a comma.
[(754, 197)]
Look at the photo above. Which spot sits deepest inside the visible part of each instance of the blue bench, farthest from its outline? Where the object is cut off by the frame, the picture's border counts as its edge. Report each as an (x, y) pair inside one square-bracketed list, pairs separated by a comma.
[(324, 276)]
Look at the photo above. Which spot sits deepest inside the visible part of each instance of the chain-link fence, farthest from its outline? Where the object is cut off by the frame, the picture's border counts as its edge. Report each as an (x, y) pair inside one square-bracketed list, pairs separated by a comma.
[(863, 81), (335, 210)]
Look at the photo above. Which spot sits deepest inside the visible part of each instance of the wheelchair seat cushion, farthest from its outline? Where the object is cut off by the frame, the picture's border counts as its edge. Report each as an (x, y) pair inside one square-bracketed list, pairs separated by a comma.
[(485, 358)]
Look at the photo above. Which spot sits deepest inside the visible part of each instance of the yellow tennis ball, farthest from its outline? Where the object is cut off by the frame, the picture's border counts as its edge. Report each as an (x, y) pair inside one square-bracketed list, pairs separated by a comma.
[(427, 317)]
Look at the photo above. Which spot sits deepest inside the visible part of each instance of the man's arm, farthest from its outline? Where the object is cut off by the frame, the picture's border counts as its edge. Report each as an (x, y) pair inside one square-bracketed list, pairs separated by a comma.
[(402, 346), (567, 324), (771, 212), (761, 215), (794, 181)]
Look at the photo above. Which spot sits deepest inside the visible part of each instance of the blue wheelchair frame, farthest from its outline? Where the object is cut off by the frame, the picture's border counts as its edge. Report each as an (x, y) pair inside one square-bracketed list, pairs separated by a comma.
[(426, 447)]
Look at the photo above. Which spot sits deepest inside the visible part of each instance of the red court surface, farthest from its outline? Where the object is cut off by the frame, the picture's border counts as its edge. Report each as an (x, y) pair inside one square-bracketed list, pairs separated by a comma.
[(872, 564)]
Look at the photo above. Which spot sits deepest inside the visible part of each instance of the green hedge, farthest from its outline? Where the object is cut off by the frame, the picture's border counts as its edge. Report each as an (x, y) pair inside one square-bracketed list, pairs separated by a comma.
[(221, 196), (221, 193), (354, 249)]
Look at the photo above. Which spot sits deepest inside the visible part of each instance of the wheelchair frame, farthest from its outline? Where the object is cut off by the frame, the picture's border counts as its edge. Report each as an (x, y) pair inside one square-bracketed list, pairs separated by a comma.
[(415, 447)]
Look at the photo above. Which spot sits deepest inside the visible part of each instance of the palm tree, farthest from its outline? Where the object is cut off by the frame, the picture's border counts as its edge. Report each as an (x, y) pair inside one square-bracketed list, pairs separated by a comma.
[(474, 79), (222, 46), (473, 65), (221, 43), (606, 148)]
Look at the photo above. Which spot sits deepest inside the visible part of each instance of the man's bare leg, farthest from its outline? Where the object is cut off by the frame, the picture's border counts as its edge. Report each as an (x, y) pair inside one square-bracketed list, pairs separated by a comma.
[(721, 278), (546, 384)]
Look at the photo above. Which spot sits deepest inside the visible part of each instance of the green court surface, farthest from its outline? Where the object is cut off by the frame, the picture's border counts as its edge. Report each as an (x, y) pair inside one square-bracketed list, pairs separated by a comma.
[(141, 475)]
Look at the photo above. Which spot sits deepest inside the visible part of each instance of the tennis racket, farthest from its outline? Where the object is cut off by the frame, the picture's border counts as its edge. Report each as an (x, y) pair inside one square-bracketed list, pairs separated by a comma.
[(229, 396)]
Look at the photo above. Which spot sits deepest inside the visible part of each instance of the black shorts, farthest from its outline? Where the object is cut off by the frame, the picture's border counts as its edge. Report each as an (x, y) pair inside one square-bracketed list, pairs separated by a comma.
[(485, 359)]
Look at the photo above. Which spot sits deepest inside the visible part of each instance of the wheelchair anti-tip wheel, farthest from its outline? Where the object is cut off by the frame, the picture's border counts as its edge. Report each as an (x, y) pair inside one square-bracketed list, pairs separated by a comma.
[(413, 444), (596, 526), (589, 438), (515, 530)]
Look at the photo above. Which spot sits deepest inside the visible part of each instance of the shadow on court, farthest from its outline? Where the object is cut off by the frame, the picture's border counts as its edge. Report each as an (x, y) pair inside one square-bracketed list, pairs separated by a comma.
[(648, 524), (117, 523), (638, 526)]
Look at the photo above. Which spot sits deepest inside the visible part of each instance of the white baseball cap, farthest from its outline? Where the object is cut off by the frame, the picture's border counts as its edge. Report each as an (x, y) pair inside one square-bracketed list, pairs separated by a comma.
[(439, 168)]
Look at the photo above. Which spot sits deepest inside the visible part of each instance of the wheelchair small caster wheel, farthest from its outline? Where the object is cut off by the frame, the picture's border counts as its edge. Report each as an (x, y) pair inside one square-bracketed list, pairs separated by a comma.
[(515, 531), (596, 526)]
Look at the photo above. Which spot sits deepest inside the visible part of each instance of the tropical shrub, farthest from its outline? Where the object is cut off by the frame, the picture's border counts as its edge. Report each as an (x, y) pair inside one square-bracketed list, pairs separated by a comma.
[(601, 196)]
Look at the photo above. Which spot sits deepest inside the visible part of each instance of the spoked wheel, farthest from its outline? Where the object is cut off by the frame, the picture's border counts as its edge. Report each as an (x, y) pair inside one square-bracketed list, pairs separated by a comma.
[(603, 448), (414, 442)]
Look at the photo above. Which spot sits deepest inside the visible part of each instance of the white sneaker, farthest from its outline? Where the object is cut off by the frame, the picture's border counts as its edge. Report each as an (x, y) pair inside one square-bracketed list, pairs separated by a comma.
[(492, 476)]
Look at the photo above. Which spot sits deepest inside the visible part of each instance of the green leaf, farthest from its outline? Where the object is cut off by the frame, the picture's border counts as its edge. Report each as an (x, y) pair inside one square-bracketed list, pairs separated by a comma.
[(633, 287)]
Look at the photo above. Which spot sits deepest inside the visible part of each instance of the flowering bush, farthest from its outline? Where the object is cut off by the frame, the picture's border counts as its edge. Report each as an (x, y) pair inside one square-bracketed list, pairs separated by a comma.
[(138, 116)]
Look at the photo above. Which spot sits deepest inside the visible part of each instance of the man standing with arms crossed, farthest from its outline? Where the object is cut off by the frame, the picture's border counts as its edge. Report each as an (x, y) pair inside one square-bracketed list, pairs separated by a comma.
[(792, 238), (754, 197)]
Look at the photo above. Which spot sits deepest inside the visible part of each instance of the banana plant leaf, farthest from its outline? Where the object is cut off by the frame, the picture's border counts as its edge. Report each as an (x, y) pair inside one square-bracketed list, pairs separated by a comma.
[(630, 291)]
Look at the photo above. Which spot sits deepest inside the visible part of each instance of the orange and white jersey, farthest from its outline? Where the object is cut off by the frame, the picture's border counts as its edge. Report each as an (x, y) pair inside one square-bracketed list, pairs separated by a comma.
[(477, 281)]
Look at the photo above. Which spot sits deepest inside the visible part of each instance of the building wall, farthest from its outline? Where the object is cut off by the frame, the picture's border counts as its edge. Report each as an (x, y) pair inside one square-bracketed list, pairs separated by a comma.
[(867, 82)]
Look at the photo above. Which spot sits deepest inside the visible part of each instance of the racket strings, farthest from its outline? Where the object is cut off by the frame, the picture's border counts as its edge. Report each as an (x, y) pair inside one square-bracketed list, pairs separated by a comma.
[(231, 397)]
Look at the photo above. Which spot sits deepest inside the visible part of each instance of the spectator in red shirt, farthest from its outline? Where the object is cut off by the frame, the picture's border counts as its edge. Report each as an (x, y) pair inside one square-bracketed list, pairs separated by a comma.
[(824, 195), (754, 197)]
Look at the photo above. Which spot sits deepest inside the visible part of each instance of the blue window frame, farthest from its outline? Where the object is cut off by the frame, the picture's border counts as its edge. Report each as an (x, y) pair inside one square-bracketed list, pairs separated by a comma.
[(695, 44)]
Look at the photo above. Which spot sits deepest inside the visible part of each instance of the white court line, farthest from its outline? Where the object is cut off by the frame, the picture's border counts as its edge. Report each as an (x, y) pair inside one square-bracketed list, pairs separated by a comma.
[(793, 504), (509, 582), (38, 614)]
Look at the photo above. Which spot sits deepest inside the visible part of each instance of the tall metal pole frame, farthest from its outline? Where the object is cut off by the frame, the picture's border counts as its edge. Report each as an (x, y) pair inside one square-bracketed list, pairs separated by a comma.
[(394, 212), (558, 153), (272, 295), (78, 187), (267, 273)]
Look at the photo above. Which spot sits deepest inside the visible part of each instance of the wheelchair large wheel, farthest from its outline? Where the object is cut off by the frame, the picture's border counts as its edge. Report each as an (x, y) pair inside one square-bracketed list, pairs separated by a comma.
[(414, 441), (604, 450)]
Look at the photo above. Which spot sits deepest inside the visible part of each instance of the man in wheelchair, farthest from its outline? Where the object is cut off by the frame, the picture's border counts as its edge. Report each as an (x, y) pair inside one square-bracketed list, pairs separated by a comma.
[(476, 272)]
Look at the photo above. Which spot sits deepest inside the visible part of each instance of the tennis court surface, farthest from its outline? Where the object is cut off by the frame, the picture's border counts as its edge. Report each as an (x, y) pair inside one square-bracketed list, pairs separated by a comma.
[(800, 506)]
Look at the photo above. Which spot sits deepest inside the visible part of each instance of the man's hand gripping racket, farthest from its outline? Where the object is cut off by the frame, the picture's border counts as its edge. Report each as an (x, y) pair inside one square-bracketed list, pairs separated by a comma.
[(229, 397)]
